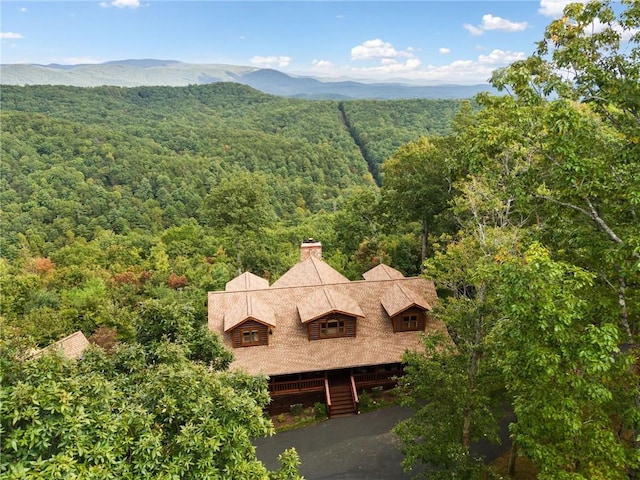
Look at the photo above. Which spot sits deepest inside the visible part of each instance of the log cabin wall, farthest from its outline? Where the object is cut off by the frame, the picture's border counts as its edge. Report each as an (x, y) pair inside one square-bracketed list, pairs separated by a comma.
[(250, 326), (317, 332), (400, 323)]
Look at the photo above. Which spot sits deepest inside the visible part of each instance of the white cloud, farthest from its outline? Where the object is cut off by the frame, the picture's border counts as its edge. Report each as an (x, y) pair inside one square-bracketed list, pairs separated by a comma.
[(22, 9), (475, 31), (121, 4), (501, 57), (389, 67), (444, 50), (554, 8), (10, 35), (490, 22), (412, 70), (322, 63), (271, 61), (377, 49)]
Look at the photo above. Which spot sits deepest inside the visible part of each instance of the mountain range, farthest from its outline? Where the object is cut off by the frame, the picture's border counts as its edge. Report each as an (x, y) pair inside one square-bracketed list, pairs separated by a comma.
[(150, 72)]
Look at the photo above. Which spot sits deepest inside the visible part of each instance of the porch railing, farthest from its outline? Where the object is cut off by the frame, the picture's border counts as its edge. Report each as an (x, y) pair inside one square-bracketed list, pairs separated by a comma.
[(297, 386), (376, 378)]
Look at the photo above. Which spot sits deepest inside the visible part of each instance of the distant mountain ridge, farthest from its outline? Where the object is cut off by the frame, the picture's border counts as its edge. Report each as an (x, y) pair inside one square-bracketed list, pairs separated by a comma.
[(153, 72)]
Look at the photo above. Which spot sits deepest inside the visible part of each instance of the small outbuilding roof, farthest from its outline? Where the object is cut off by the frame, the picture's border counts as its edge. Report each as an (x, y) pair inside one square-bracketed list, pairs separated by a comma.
[(71, 346)]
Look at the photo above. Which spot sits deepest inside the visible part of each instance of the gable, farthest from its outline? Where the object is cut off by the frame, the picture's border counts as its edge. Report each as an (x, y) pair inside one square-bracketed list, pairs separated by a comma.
[(382, 272), (246, 281), (245, 307), (311, 271), (325, 300), (399, 298)]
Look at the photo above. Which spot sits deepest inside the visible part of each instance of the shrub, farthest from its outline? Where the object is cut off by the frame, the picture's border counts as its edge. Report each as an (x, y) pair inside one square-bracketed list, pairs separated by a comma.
[(320, 410)]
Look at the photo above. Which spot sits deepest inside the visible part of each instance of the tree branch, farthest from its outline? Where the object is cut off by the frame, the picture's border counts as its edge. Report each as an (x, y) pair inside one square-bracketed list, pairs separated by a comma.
[(591, 213), (601, 223)]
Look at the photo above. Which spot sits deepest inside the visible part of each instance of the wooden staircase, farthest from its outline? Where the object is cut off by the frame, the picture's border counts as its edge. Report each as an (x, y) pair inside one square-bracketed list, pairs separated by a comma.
[(341, 395)]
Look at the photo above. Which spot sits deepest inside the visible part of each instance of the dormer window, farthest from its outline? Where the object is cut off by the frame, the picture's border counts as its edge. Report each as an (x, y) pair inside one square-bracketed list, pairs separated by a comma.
[(332, 327), (335, 325), (250, 334), (250, 322), (250, 337), (406, 309), (409, 322)]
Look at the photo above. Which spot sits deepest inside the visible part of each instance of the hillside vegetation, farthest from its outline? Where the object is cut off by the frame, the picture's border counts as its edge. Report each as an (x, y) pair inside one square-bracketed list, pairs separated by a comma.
[(143, 159), (114, 195)]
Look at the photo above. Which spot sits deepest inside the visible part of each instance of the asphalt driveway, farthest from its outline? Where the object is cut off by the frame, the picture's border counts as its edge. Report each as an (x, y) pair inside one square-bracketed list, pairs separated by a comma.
[(357, 447), (360, 447)]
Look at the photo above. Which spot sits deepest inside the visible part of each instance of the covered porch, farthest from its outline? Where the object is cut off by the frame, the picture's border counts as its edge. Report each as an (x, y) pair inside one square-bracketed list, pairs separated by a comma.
[(338, 389)]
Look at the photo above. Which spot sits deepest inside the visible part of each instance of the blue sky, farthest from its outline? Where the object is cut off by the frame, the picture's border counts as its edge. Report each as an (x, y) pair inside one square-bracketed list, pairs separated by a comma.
[(419, 41)]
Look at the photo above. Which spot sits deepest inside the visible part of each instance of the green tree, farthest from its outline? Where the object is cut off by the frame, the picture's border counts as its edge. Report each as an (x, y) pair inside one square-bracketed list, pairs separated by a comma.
[(137, 413), (241, 205), (454, 384), (416, 184), (561, 371), (182, 324), (586, 169)]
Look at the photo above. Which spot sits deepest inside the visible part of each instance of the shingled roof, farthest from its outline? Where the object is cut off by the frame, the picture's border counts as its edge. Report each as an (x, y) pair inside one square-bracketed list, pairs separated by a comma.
[(398, 298), (309, 290), (311, 271), (323, 301), (246, 281), (382, 272), (245, 306), (71, 346)]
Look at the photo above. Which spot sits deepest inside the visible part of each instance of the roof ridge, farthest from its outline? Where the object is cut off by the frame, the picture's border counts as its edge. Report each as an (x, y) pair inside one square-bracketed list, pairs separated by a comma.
[(313, 262), (351, 282), (406, 295), (329, 297)]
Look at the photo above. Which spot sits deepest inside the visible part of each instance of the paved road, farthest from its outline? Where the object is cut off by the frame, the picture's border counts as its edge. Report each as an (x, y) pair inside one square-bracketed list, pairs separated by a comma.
[(360, 447), (346, 448)]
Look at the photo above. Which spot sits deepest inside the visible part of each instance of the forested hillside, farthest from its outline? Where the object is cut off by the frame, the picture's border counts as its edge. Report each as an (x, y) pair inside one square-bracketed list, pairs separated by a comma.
[(112, 195), (144, 159), (122, 207)]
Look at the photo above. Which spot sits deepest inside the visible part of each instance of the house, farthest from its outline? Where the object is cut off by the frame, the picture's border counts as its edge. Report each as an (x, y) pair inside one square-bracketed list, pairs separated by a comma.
[(319, 336), (71, 346)]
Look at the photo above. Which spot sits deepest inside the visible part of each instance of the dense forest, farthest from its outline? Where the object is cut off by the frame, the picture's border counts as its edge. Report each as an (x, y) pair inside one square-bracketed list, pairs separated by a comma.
[(122, 207)]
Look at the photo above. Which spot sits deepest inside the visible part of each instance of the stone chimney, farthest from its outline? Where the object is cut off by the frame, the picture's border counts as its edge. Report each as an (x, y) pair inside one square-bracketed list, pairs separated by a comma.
[(310, 247)]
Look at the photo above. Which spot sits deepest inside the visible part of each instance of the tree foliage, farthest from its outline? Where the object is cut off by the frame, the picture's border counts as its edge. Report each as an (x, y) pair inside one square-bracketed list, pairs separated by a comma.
[(139, 412), (552, 168)]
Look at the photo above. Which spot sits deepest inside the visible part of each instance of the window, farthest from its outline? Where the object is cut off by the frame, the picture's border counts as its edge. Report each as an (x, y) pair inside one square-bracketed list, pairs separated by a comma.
[(410, 322), (332, 328), (250, 337)]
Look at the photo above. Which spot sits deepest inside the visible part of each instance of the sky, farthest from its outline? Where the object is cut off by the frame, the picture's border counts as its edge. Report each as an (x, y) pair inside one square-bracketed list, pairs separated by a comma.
[(426, 42)]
